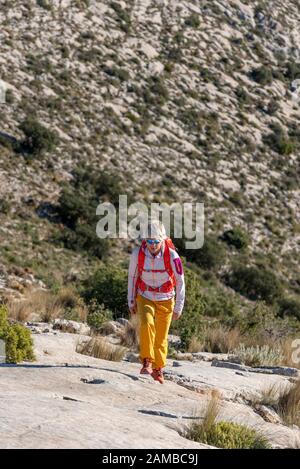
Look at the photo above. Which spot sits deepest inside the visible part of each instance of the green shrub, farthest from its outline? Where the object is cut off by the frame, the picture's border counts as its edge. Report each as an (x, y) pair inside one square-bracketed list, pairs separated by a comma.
[(236, 198), (156, 93), (77, 205), (219, 303), (229, 435), (190, 323), (211, 256), (279, 141), (83, 238), (258, 355), (192, 20), (108, 286), (289, 307), (6, 142), (192, 119), (38, 139), (292, 70), (273, 106), (262, 75), (123, 17), (242, 96), (236, 237), (5, 206), (117, 72), (73, 208), (18, 341), (255, 283), (98, 314), (44, 4)]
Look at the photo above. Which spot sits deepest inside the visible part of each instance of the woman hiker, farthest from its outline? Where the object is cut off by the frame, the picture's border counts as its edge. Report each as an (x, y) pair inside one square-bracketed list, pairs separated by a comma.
[(155, 269)]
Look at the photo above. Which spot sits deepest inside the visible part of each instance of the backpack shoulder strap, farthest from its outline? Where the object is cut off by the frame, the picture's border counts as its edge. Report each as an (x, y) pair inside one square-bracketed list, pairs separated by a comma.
[(141, 258), (167, 257)]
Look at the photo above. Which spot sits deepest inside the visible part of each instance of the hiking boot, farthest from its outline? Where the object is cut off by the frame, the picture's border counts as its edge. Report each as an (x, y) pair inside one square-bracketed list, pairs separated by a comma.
[(147, 367), (157, 375)]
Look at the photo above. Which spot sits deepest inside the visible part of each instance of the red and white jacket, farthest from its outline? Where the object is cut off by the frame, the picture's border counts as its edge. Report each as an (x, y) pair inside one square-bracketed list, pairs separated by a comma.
[(156, 279)]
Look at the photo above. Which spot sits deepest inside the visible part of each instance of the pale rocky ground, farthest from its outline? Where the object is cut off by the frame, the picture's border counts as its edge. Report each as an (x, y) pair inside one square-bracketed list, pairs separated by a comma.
[(69, 400)]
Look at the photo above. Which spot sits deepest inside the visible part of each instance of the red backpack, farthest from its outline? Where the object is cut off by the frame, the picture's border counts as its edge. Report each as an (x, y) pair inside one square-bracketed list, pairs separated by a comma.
[(169, 284)]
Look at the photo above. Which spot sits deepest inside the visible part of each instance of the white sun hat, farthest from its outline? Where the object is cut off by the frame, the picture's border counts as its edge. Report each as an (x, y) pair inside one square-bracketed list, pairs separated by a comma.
[(154, 229)]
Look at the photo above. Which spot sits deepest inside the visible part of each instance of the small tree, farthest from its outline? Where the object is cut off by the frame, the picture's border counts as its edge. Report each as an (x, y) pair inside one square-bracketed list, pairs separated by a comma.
[(108, 286), (262, 75), (211, 256), (235, 237), (38, 139), (279, 141), (255, 283)]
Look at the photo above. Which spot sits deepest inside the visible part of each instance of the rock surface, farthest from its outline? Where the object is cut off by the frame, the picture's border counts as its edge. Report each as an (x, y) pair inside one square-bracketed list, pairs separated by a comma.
[(68, 400)]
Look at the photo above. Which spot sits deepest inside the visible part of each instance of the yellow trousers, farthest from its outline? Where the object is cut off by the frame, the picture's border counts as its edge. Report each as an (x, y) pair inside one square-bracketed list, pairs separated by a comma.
[(155, 319)]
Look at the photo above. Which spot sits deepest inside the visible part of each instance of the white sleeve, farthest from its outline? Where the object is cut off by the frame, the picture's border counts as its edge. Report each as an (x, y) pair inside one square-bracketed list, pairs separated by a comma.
[(177, 268), (132, 276)]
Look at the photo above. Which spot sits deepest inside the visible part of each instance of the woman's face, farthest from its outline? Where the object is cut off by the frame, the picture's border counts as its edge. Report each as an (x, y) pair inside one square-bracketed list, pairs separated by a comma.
[(155, 247)]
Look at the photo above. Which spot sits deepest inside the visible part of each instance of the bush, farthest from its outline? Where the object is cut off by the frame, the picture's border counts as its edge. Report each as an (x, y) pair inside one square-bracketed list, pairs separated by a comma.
[(38, 139), (255, 283), (228, 435), (156, 93), (279, 141), (192, 20), (273, 106), (4, 206), (77, 205), (289, 307), (108, 286), (18, 341), (6, 142), (117, 72), (262, 75), (44, 4), (292, 70), (190, 323), (219, 303), (211, 256), (256, 356), (192, 119), (98, 314), (83, 238), (123, 16), (236, 237), (242, 96)]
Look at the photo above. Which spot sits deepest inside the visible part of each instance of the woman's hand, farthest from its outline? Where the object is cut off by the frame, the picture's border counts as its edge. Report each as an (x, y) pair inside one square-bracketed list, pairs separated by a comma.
[(176, 316), (133, 309)]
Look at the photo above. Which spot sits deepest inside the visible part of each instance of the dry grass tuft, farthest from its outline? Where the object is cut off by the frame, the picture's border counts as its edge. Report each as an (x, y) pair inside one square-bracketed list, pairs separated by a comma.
[(129, 335), (47, 306), (99, 347)]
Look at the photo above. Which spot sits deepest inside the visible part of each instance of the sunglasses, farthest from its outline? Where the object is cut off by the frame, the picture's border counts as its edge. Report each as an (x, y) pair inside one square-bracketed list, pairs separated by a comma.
[(153, 241)]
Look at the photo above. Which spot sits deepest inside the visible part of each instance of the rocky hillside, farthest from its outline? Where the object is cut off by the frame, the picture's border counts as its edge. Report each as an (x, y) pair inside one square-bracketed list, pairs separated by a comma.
[(69, 400), (185, 101)]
